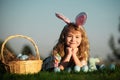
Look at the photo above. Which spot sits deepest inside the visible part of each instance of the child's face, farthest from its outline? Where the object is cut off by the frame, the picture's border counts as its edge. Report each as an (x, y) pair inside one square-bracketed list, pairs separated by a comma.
[(73, 39)]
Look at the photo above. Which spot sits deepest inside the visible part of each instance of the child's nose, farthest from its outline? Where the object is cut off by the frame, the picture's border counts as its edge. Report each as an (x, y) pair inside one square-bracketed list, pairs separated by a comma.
[(73, 39)]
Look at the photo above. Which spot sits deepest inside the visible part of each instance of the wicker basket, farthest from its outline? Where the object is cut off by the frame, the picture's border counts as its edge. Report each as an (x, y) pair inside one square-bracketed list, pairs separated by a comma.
[(20, 66)]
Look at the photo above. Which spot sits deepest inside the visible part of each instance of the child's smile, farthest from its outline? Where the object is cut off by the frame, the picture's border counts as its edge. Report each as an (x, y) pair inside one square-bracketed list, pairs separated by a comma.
[(73, 39)]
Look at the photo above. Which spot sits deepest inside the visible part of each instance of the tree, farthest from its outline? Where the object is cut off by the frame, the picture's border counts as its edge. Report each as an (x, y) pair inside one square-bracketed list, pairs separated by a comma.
[(112, 45)]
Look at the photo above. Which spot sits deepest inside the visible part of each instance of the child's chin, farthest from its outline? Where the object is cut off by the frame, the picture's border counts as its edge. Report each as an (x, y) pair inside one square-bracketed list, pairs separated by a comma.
[(73, 47)]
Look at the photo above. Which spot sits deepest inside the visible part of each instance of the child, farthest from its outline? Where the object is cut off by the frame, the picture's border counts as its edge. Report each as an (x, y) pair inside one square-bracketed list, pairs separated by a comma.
[(72, 49)]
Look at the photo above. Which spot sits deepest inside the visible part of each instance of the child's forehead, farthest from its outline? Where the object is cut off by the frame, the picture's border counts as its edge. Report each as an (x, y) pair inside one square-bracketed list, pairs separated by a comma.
[(72, 29), (73, 32)]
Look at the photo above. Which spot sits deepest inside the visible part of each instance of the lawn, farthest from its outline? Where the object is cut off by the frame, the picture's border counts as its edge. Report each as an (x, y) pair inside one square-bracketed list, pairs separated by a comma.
[(96, 75)]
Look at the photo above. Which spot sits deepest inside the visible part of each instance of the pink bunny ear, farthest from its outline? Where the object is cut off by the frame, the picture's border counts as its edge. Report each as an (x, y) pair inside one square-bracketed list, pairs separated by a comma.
[(81, 19), (62, 17)]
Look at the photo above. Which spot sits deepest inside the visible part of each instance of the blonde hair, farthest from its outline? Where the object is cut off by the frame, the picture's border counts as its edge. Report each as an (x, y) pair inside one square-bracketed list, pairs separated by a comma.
[(83, 52)]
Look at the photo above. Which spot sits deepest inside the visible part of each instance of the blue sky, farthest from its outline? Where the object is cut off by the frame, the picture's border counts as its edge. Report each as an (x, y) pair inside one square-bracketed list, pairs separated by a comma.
[(36, 18)]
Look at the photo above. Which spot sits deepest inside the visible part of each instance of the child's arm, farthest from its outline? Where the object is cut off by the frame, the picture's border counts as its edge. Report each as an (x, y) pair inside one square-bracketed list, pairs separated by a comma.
[(78, 62), (66, 60), (76, 59)]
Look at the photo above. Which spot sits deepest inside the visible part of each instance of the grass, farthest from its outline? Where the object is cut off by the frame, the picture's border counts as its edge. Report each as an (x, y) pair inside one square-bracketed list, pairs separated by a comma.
[(96, 75)]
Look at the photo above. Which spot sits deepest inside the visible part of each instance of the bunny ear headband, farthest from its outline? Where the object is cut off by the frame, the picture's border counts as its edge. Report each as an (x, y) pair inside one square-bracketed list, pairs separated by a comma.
[(79, 20)]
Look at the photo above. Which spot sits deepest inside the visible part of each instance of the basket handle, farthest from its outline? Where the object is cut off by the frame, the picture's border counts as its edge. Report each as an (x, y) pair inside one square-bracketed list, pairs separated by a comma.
[(14, 36)]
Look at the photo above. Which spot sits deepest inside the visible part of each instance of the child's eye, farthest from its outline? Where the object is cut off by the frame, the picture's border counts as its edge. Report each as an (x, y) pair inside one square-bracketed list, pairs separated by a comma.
[(77, 37), (69, 36)]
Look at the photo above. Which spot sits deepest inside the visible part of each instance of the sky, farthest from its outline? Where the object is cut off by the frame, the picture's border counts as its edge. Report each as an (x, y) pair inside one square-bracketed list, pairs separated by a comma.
[(36, 19)]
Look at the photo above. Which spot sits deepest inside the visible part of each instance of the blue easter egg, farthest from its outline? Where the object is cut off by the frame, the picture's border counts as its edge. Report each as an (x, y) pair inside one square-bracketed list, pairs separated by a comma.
[(19, 55), (56, 69), (77, 68), (102, 67), (23, 57), (85, 68), (69, 70), (112, 66)]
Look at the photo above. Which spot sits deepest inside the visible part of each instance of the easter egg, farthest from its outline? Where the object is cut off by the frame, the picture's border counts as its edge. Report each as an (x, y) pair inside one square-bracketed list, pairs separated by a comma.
[(69, 70), (56, 69), (85, 68), (112, 66), (102, 67), (19, 55), (77, 69), (23, 57)]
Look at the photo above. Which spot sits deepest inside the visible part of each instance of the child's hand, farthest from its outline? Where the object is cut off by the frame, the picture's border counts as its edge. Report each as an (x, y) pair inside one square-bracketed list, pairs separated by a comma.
[(74, 51), (69, 51), (83, 62)]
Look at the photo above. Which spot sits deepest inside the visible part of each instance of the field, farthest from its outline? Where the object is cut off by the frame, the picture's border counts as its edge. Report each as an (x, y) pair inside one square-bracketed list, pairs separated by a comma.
[(96, 75)]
